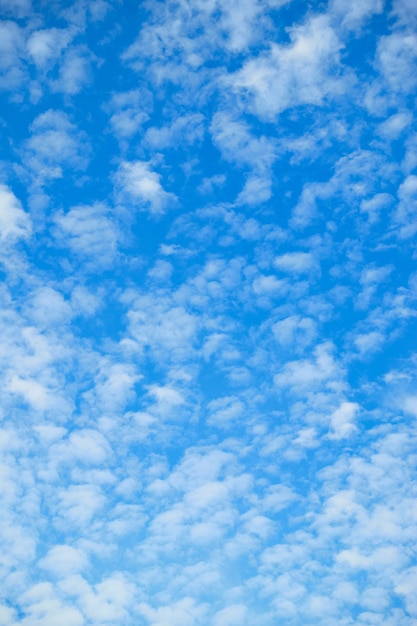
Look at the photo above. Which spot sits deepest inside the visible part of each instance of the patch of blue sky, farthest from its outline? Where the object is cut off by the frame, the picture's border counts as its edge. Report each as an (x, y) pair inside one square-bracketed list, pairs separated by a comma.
[(207, 353)]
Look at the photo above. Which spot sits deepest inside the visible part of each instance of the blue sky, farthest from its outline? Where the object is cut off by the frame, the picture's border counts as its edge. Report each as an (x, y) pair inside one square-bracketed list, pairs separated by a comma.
[(208, 313)]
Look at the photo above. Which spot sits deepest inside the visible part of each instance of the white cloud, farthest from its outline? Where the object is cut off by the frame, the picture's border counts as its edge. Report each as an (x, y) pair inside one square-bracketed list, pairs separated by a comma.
[(410, 405), (14, 222), (75, 71), (342, 421), (48, 306), (257, 190), (54, 144), (16, 8), (305, 72), (183, 131), (91, 232), (46, 45), (239, 145), (295, 331), (396, 55), (405, 214), (296, 262), (233, 615), (11, 50), (33, 392), (78, 504), (309, 373), (114, 385), (140, 185), (62, 560), (89, 446), (224, 412), (184, 612), (354, 14), (395, 124), (129, 112)]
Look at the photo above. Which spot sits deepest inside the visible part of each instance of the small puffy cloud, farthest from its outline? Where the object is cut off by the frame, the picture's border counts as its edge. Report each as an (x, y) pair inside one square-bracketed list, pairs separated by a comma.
[(98, 9), (33, 392), (376, 205), (184, 612), (75, 71), (16, 8), (14, 222), (233, 615), (184, 130), (114, 385), (109, 600), (63, 560), (369, 342), (167, 329), (7, 615), (11, 50), (42, 605), (342, 421), (295, 331), (129, 111), (405, 215), (394, 125), (91, 232), (353, 14), (224, 412), (257, 190), (166, 396), (396, 56), (307, 374), (304, 72), (54, 143), (238, 145), (296, 262), (78, 504), (410, 405), (48, 306), (141, 186), (89, 446), (46, 45)]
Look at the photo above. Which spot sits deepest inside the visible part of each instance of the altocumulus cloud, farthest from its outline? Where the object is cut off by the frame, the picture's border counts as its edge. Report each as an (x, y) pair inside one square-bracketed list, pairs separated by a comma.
[(208, 313)]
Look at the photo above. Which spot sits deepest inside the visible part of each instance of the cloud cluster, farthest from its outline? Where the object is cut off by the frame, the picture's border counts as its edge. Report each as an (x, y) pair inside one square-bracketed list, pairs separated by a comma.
[(207, 322)]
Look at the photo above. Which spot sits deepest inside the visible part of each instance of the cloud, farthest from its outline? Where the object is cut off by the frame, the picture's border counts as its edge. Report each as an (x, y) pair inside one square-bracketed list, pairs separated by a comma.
[(396, 55), (11, 51), (74, 72), (342, 420), (304, 72), (307, 374), (296, 262), (63, 560), (237, 143), (45, 46), (54, 144), (231, 615), (129, 111), (16, 8), (353, 15), (184, 130), (395, 124), (91, 232), (404, 216), (140, 186), (14, 222)]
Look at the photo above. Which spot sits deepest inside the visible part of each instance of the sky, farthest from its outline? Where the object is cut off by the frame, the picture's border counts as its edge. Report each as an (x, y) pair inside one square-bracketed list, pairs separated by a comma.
[(208, 346)]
